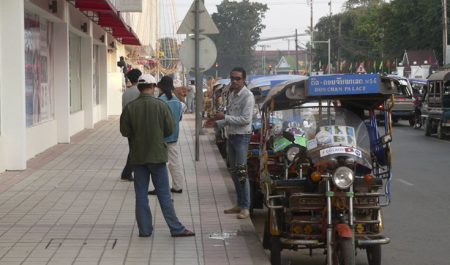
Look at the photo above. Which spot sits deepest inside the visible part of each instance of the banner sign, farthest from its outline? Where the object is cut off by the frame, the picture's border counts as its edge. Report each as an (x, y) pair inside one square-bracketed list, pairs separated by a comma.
[(128, 5), (330, 85)]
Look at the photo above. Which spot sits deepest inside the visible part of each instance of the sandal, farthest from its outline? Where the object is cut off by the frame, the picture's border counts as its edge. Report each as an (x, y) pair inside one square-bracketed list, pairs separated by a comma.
[(185, 233)]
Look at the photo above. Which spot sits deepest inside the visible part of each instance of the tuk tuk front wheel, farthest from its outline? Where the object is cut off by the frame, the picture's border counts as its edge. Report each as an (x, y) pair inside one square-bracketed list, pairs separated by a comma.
[(266, 236), (344, 252), (275, 250), (374, 255)]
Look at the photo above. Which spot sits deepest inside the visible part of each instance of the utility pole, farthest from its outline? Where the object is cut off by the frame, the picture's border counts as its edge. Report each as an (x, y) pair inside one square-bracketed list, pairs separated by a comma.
[(296, 52), (198, 82), (312, 39), (339, 46), (445, 32)]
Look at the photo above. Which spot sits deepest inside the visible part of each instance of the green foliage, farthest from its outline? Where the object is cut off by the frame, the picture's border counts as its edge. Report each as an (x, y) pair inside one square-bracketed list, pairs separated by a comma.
[(240, 26), (372, 30)]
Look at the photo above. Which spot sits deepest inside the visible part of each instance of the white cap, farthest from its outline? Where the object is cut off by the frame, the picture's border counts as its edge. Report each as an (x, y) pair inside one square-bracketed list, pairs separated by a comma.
[(147, 79)]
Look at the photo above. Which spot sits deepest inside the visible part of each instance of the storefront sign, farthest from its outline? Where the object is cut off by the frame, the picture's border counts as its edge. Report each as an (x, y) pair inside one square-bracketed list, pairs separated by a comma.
[(330, 85)]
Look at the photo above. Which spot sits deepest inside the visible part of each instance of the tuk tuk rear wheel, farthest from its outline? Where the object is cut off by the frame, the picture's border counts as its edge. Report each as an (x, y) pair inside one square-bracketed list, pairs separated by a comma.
[(427, 127), (266, 236), (440, 133), (412, 121), (275, 251), (374, 255)]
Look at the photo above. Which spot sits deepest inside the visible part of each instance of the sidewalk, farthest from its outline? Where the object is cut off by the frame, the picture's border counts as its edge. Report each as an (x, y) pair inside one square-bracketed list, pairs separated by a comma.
[(70, 207)]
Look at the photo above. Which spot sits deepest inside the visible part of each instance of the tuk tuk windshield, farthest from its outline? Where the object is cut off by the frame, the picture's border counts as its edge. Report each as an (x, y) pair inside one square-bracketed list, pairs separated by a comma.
[(335, 131)]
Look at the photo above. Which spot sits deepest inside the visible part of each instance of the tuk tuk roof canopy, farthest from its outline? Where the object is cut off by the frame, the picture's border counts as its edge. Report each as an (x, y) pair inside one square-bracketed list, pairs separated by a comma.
[(349, 88), (443, 75)]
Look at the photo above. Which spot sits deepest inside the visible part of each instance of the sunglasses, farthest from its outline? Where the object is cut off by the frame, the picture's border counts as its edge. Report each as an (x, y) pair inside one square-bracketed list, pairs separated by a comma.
[(235, 78)]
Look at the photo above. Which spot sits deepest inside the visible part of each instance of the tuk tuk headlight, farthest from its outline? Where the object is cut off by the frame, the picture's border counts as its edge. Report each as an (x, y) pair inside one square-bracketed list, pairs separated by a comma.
[(343, 177), (292, 152)]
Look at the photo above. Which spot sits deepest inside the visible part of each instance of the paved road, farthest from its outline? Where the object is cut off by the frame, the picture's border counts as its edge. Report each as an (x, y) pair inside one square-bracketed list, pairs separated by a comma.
[(418, 219)]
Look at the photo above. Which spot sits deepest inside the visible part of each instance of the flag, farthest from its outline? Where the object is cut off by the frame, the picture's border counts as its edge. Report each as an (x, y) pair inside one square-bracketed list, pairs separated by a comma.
[(320, 64), (350, 69), (381, 66), (374, 69)]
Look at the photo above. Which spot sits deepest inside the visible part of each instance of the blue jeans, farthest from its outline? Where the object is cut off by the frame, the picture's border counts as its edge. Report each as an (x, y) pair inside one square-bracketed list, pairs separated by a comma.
[(160, 180), (237, 146)]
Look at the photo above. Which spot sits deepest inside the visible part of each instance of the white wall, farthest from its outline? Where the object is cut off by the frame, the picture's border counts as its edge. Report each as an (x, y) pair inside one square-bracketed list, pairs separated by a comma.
[(19, 143), (115, 93), (2, 141), (41, 137), (76, 122), (12, 53)]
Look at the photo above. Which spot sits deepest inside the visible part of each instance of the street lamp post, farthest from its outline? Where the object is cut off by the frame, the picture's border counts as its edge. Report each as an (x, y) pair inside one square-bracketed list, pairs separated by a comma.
[(263, 57), (329, 52)]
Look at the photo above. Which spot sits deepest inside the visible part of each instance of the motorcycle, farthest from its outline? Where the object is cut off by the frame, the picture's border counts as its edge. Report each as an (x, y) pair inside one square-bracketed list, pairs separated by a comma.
[(333, 173)]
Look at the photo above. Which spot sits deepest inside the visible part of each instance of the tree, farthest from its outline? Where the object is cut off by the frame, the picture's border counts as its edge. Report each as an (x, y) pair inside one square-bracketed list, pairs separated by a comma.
[(240, 26), (376, 30)]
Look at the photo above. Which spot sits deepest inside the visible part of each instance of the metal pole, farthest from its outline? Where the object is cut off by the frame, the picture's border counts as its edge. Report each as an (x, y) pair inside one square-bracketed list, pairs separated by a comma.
[(310, 46), (329, 56), (198, 91), (445, 30), (296, 52)]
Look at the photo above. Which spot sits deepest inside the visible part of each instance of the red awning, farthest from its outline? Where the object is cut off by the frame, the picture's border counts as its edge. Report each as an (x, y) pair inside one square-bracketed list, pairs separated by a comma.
[(109, 17)]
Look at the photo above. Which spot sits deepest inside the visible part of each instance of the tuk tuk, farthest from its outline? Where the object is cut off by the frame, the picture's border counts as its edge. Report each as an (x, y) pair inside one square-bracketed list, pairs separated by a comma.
[(436, 105), (325, 170), (260, 88)]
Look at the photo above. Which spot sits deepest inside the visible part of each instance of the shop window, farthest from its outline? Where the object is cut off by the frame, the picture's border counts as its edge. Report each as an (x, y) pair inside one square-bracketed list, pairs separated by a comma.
[(39, 95), (75, 72)]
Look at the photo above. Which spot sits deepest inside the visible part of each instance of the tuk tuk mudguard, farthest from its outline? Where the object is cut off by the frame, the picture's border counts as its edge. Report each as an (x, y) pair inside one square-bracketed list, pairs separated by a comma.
[(344, 230)]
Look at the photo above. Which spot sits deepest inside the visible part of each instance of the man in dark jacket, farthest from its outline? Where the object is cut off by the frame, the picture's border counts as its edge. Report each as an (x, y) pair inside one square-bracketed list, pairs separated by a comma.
[(146, 121)]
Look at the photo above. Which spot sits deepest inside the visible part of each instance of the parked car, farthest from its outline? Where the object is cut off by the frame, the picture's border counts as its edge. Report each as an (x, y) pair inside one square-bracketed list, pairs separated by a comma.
[(436, 105), (403, 101)]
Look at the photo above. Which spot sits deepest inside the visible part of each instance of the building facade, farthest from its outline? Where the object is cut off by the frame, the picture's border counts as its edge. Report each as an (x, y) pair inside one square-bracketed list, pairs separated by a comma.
[(58, 70)]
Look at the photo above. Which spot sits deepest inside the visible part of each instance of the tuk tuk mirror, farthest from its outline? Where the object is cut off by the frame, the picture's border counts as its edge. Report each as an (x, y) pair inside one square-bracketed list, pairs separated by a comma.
[(386, 139)]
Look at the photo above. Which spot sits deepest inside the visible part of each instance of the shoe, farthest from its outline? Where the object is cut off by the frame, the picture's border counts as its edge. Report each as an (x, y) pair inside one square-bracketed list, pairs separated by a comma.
[(245, 213), (176, 191), (145, 235), (185, 233), (127, 178), (152, 192), (235, 209)]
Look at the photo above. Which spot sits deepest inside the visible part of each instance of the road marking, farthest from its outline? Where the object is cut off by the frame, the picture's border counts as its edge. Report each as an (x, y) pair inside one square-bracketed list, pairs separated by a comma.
[(405, 182)]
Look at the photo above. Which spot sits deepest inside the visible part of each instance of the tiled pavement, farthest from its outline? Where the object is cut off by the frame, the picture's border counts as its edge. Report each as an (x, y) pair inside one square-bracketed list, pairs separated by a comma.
[(70, 207)]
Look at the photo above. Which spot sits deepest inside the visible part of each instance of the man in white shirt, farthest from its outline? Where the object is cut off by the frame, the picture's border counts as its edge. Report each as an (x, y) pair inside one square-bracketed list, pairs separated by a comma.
[(190, 97)]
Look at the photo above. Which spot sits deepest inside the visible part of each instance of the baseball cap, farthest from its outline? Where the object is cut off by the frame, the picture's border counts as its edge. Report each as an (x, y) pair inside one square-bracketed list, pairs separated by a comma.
[(146, 79)]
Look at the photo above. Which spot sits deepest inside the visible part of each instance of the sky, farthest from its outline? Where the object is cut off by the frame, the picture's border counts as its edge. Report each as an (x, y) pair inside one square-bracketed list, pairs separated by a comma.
[(282, 18)]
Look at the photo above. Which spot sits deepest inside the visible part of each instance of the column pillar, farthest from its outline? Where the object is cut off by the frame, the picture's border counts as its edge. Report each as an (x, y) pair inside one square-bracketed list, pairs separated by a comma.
[(61, 81), (87, 81), (12, 57), (103, 80)]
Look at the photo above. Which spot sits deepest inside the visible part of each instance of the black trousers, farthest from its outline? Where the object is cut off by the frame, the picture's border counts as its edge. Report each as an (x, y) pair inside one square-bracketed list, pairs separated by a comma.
[(127, 170)]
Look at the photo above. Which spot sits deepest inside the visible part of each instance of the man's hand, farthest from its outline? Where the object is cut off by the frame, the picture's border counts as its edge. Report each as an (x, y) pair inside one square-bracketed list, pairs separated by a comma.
[(219, 116)]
